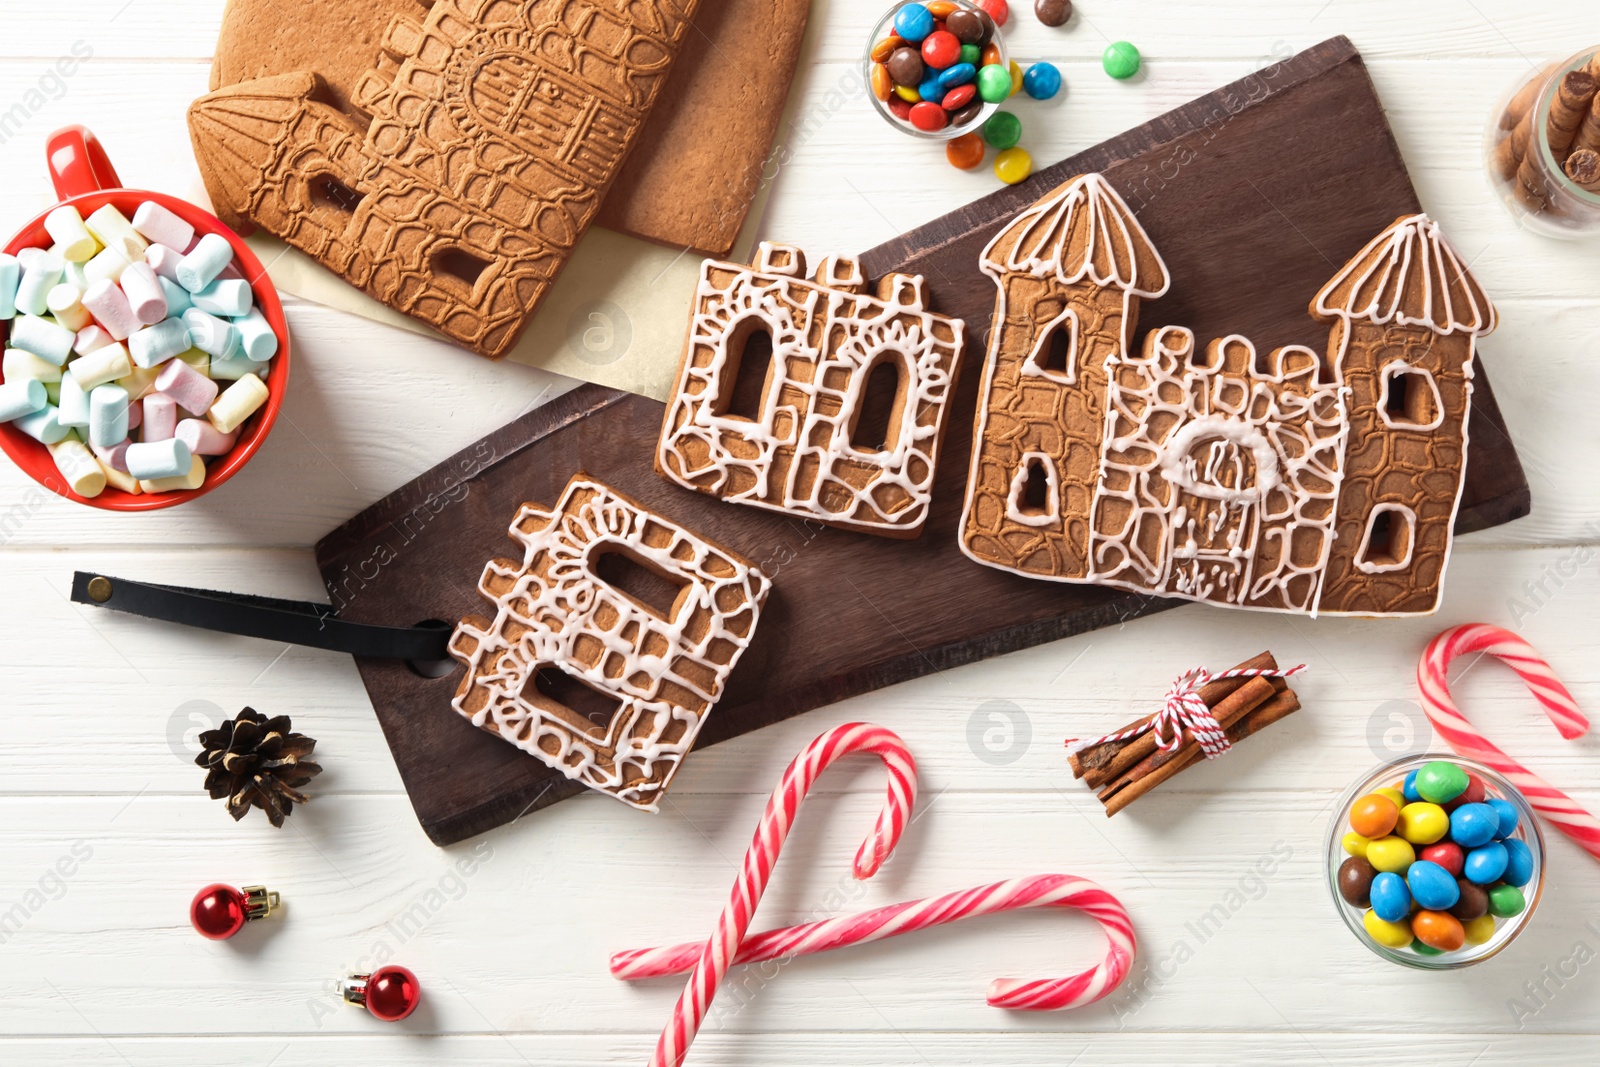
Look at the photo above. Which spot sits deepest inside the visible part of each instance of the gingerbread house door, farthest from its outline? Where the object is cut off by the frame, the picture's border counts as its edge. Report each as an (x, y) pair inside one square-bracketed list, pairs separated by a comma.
[(1217, 520)]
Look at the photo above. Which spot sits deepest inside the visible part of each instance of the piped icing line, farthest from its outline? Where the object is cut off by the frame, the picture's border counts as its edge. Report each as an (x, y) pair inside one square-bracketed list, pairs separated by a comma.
[(827, 338), (1412, 276), (553, 611)]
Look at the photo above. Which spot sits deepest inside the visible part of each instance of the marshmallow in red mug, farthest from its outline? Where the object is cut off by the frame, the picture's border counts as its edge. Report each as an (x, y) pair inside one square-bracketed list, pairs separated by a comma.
[(109, 306), (204, 263), (65, 302), (74, 242), (72, 407), (160, 417), (156, 344), (155, 460), (25, 396), (100, 366), (205, 439), (43, 338), (191, 390), (10, 275), (108, 415), (145, 295), (161, 227)]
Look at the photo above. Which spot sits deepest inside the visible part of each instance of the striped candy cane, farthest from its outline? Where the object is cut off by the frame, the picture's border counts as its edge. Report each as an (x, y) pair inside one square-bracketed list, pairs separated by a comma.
[(1514, 652), (1038, 891), (716, 956)]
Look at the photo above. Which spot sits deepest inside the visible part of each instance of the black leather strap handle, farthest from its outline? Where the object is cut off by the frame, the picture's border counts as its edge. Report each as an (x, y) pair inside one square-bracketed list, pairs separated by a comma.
[(291, 621)]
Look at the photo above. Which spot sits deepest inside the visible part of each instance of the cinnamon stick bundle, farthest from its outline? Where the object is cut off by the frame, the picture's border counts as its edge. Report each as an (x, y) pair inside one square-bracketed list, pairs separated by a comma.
[(1125, 770)]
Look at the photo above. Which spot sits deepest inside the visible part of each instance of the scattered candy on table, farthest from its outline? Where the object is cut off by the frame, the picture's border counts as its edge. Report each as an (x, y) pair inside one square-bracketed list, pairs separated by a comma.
[(1042, 81), (1121, 60), (936, 70), (1003, 130), (1053, 12), (966, 152), (1429, 879), (102, 372)]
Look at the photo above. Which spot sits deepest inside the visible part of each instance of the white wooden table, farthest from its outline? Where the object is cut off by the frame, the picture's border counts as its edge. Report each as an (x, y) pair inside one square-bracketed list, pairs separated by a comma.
[(98, 966)]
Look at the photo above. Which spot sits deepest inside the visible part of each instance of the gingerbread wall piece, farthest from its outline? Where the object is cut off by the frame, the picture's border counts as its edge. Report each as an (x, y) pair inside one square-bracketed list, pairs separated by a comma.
[(496, 127), (602, 684), (1298, 483), (812, 397)]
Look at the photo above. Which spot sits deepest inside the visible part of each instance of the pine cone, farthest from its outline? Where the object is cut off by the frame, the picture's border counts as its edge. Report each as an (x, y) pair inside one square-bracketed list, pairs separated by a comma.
[(254, 760)]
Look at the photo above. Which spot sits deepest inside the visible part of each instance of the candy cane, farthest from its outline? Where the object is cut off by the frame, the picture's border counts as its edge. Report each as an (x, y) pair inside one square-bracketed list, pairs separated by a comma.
[(1514, 652), (1038, 891), (716, 956), (708, 963)]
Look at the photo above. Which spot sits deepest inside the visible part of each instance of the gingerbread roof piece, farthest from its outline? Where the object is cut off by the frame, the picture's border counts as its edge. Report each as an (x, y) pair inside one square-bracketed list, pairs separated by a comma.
[(1083, 231), (1410, 276)]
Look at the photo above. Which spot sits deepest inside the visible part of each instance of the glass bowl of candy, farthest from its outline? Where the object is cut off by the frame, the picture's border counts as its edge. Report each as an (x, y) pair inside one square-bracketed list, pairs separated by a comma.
[(937, 68), (1435, 861), (146, 349)]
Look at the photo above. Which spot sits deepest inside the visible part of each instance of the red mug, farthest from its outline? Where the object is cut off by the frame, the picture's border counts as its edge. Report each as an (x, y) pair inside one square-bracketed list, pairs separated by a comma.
[(84, 178)]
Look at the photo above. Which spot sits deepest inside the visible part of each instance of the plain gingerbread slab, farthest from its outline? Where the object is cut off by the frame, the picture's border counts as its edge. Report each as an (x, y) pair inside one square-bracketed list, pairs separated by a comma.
[(692, 173), (849, 613)]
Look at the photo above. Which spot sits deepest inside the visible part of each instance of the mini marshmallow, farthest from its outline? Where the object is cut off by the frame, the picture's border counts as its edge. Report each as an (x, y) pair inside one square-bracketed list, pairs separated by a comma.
[(210, 334), (121, 479), (202, 266), (108, 266), (76, 276), (72, 409), (101, 366), (113, 230), (79, 467), (66, 305), (25, 396), (10, 275), (161, 227), (73, 240), (178, 300), (238, 402), (225, 296), (20, 363), (135, 413), (91, 339), (257, 336), (43, 338), (160, 417), (108, 415), (232, 368), (194, 479), (109, 305), (43, 426), (157, 344), (140, 382), (41, 272), (204, 439), (144, 293), (152, 460), (115, 457), (193, 391), (164, 261)]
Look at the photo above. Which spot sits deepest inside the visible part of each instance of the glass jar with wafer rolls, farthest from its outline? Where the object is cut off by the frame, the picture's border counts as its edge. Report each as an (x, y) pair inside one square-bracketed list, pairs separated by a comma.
[(1543, 149)]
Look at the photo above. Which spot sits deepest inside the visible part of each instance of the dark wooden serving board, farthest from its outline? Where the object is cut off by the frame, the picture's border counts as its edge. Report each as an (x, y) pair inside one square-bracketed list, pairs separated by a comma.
[(1255, 194)]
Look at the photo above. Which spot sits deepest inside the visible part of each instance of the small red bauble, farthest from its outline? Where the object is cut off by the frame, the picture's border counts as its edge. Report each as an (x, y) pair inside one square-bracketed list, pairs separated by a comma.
[(389, 993), (219, 911)]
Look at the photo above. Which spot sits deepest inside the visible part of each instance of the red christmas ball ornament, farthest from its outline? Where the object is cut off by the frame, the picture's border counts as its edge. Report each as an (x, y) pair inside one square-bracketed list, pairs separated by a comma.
[(389, 993), (219, 911)]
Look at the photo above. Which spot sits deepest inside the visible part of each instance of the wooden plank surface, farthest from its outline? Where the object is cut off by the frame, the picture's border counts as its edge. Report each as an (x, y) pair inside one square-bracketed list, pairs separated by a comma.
[(850, 614)]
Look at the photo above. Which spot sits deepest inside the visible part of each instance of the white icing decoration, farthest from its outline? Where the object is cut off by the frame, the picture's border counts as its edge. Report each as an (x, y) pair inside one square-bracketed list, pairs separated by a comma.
[(540, 621), (1401, 564), (1051, 515), (826, 339), (1421, 376), (1409, 262), (1034, 366)]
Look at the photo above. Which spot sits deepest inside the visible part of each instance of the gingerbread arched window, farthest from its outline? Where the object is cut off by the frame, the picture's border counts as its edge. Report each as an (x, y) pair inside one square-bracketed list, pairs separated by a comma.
[(1410, 399)]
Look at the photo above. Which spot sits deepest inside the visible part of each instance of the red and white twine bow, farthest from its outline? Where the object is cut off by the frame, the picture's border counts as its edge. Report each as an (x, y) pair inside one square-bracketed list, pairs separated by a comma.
[(1184, 710)]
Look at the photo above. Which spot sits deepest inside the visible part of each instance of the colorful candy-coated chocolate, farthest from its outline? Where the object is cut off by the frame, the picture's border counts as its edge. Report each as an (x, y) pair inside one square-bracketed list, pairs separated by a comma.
[(1013, 166), (1409, 788), (1053, 12), (1121, 60), (941, 9), (958, 74), (1479, 930), (1432, 886), (1486, 865), (1015, 71), (1507, 813), (991, 55), (1506, 901), (965, 152), (1391, 854), (886, 48), (1473, 794), (1519, 863), (913, 23), (1473, 902), (1388, 934), (1440, 781), (970, 27), (1356, 876), (906, 66), (1446, 854), (1042, 81), (1472, 825), (1393, 794), (1422, 948), (971, 53), (999, 10), (929, 91), (1003, 130), (882, 84), (968, 115), (994, 83), (959, 97), (1374, 816), (899, 106), (929, 117), (1423, 823), (1355, 845), (1438, 929), (1391, 897), (941, 49)]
